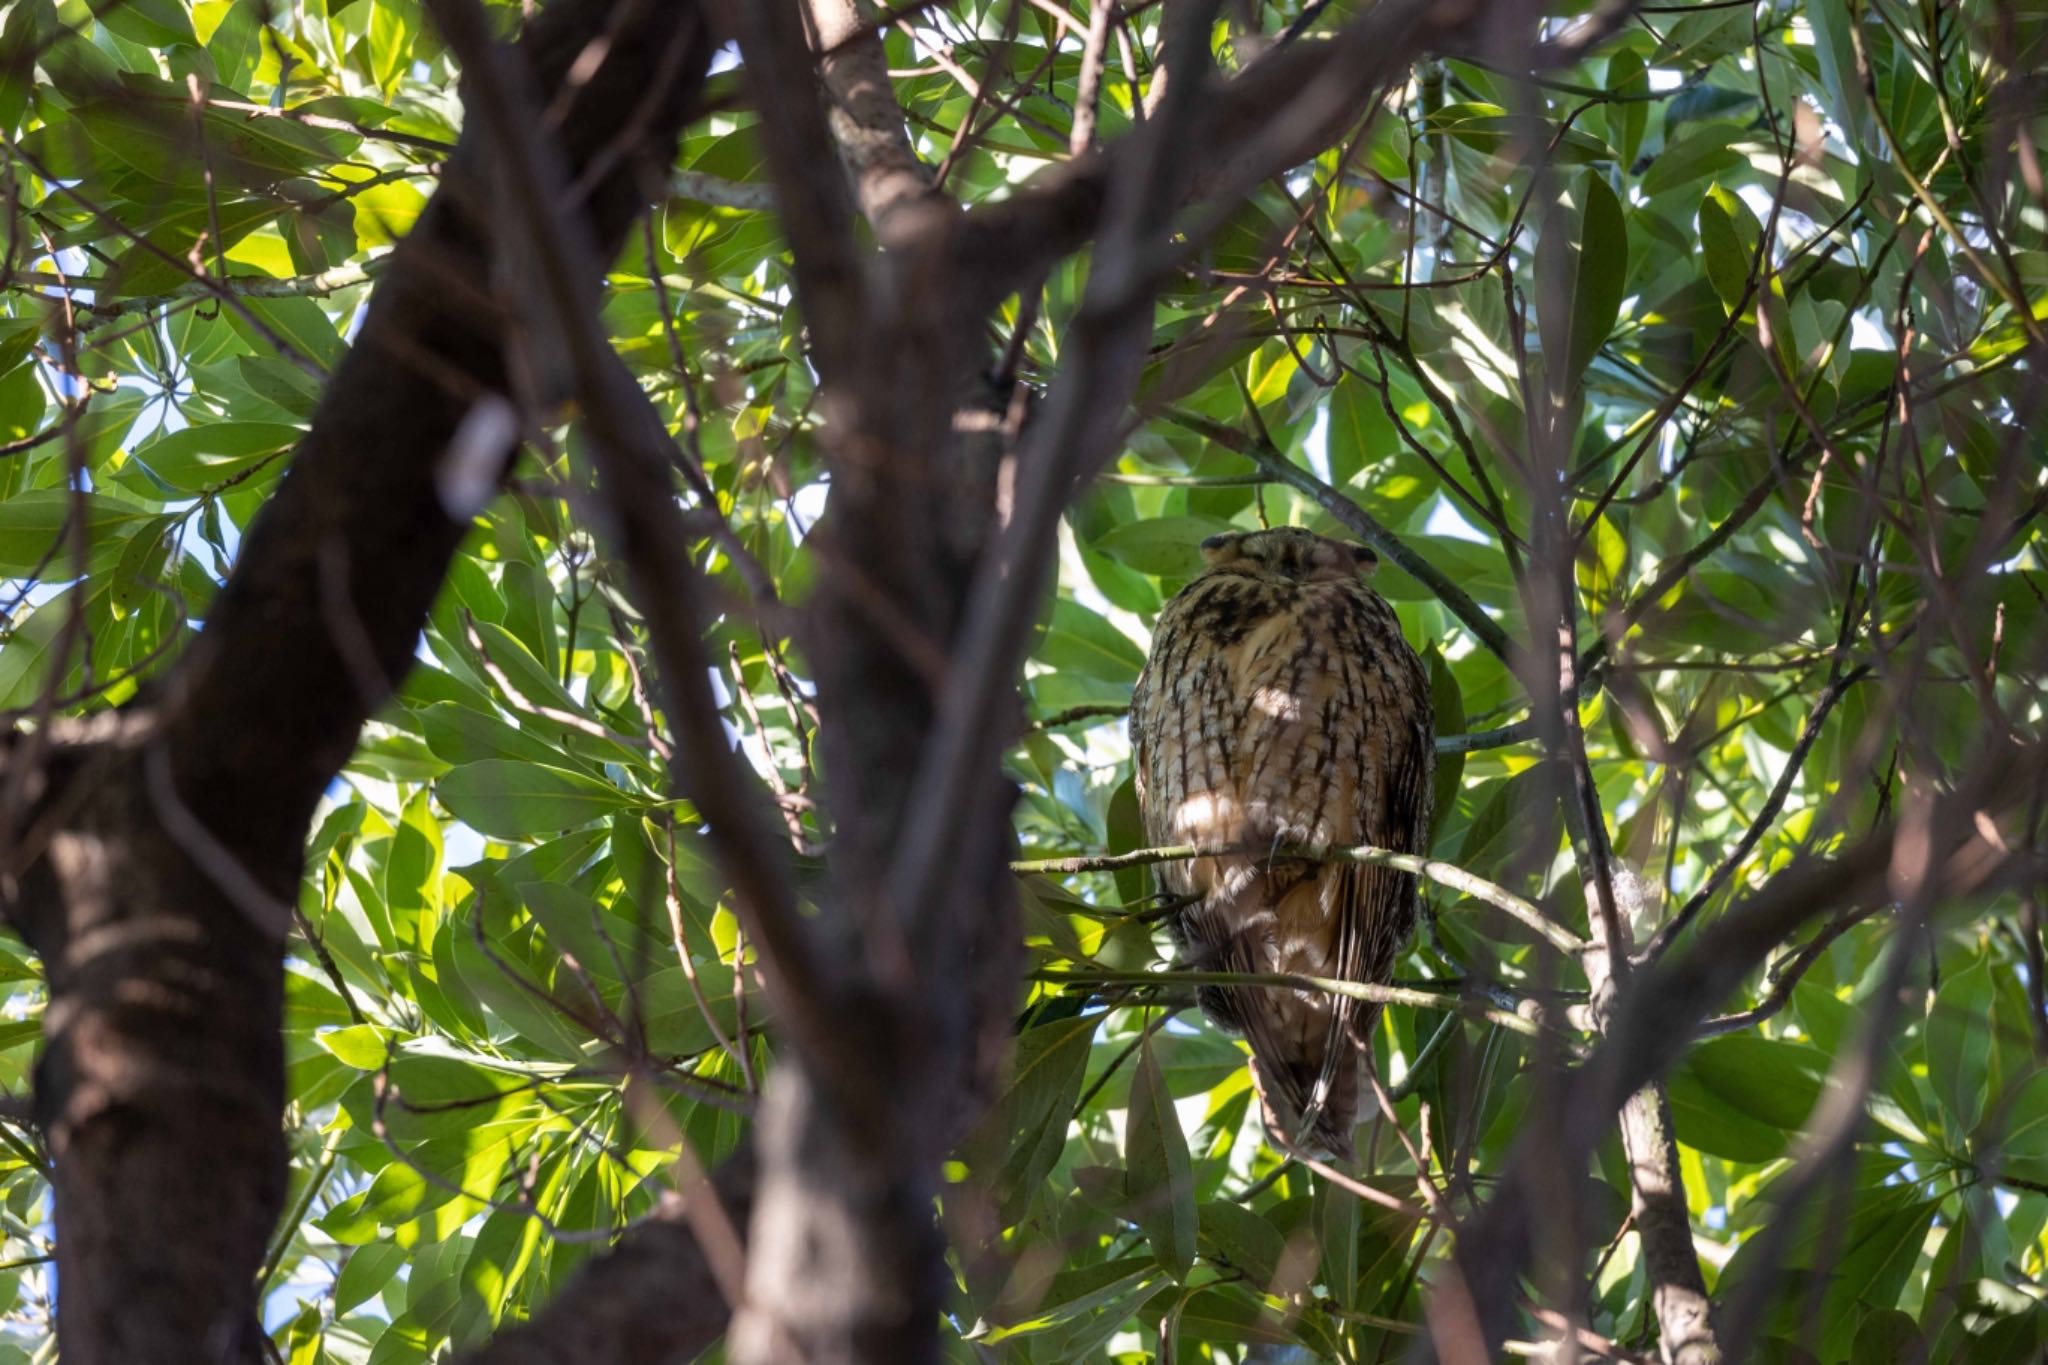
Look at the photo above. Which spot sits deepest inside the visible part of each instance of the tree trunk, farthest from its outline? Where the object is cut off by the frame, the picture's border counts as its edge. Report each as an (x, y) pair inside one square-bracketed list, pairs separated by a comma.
[(159, 862)]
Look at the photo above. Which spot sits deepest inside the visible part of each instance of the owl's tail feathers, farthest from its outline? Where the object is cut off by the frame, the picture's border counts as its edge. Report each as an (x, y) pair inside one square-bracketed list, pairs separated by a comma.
[(1309, 1106), (1305, 1058)]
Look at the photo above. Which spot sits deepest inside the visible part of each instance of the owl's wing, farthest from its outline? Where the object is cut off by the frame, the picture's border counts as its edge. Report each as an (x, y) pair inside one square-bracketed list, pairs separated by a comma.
[(1181, 743), (1377, 904)]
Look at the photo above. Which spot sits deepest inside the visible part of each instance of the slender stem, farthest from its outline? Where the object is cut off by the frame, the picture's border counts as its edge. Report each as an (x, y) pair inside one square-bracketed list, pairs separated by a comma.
[(1444, 874), (1412, 1077), (316, 1181), (1354, 990)]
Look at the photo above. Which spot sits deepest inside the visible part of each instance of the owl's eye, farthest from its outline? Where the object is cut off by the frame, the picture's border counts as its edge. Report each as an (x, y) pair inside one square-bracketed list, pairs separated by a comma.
[(1216, 542)]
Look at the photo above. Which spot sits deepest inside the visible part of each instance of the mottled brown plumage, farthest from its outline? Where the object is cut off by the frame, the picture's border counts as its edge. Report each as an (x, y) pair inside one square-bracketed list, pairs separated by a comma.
[(1281, 705)]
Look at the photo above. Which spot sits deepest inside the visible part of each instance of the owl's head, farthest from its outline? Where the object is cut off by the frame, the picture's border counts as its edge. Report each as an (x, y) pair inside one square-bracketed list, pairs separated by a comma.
[(1289, 552)]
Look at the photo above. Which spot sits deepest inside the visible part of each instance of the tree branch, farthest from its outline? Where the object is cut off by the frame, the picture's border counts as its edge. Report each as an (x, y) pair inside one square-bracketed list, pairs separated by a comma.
[(816, 215), (162, 1083), (891, 184), (1294, 981), (1444, 874), (1322, 84), (1070, 438), (266, 703)]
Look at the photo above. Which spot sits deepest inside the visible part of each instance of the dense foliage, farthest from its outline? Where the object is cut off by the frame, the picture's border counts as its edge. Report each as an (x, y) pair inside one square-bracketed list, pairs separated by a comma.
[(1757, 282)]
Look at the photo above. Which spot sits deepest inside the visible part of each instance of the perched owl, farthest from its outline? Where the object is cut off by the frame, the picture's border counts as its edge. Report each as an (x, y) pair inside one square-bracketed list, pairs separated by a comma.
[(1281, 705)]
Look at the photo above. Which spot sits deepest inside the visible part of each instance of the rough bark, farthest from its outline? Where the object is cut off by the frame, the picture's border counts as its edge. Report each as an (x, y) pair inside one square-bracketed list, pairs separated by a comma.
[(1659, 1209), (1678, 1292), (159, 861), (162, 1080), (846, 1261)]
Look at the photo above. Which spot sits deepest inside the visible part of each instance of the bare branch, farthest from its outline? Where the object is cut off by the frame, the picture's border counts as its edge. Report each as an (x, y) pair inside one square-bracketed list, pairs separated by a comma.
[(1089, 89), (816, 215), (1353, 990), (893, 186), (1069, 439), (725, 194), (1445, 874)]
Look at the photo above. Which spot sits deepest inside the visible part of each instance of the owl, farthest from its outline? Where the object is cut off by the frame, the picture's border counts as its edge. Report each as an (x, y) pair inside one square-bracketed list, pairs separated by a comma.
[(1281, 706)]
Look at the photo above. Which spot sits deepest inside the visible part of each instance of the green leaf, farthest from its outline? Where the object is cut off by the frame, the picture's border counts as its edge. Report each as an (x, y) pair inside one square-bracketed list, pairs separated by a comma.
[(29, 657), (1849, 1256), (523, 800), (1165, 547), (153, 23), (282, 383), (17, 337), (33, 523), (575, 925), (1958, 1046), (1729, 233), (2022, 1135), (412, 869), (1886, 1336), (1080, 640), (21, 403), (1125, 827), (299, 323), (1836, 55), (462, 734), (232, 41), (1581, 267), (1701, 153), (1020, 1138), (1075, 1293), (366, 1047), (1337, 1237), (401, 1193), (1744, 1097), (367, 1270), (529, 679), (1491, 129), (206, 457), (1703, 36), (1226, 1314), (160, 261), (1241, 1238), (1626, 119), (1158, 1179), (30, 28)]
